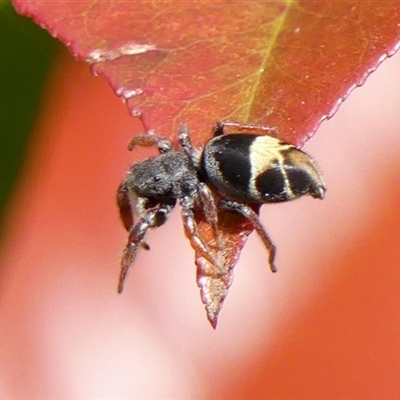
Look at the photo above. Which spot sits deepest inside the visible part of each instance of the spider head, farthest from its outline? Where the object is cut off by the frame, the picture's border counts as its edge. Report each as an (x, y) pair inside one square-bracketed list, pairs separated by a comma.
[(150, 179)]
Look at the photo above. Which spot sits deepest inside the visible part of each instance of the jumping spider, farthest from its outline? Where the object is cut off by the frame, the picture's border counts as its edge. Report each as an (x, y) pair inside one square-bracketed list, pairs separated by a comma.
[(244, 168)]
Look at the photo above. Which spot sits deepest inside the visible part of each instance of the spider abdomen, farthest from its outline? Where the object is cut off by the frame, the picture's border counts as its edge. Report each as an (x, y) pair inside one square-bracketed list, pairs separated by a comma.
[(259, 169)]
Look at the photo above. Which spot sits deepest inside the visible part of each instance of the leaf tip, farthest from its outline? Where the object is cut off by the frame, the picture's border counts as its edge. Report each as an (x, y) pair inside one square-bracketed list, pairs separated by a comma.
[(213, 321)]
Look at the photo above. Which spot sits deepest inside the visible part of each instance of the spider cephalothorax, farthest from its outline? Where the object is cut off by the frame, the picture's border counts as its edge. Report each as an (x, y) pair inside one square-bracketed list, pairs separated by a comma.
[(243, 168)]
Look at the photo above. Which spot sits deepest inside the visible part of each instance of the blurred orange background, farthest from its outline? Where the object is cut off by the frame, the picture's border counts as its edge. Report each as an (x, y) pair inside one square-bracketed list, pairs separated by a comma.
[(326, 326)]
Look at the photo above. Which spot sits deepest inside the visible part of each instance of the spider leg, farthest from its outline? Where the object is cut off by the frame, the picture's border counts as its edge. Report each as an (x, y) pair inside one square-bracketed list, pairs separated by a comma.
[(135, 240), (163, 145), (189, 150), (137, 233), (251, 216), (192, 232), (124, 206), (125, 209), (144, 204), (219, 128)]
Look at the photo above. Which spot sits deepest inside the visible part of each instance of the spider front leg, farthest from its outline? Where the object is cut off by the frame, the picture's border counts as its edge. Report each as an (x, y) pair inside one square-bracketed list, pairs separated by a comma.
[(251, 216), (153, 219), (124, 206), (163, 145), (125, 209)]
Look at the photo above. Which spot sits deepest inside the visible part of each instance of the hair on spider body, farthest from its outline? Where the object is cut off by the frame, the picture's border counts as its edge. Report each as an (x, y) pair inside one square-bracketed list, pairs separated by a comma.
[(244, 168)]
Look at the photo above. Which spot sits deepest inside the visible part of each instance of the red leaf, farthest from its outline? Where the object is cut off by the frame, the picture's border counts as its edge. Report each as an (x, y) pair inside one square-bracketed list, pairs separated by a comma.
[(233, 232), (284, 64)]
